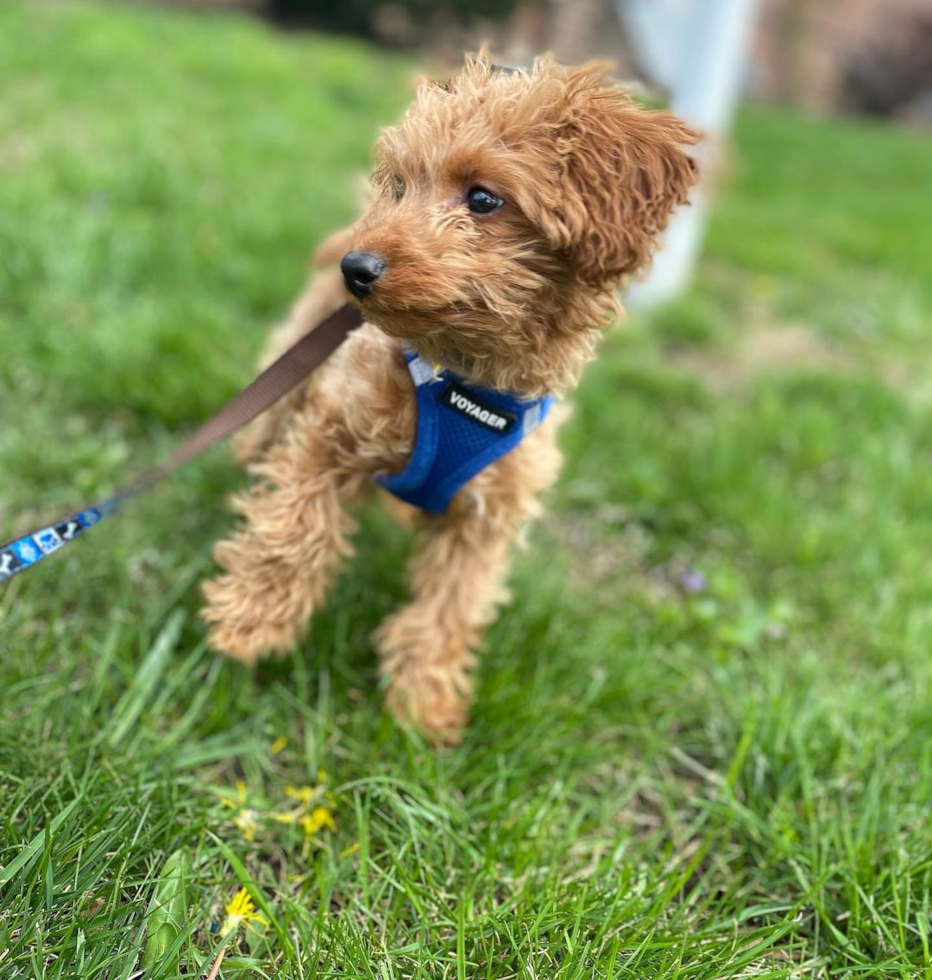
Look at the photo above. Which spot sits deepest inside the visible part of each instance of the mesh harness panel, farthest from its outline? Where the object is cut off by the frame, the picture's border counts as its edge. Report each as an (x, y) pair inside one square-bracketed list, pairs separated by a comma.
[(461, 429)]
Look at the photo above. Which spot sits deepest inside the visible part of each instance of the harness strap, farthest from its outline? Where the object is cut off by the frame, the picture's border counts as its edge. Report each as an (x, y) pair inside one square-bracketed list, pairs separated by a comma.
[(275, 382)]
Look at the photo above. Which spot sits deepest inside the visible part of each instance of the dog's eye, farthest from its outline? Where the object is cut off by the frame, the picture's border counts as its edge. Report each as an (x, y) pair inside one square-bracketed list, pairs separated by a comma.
[(481, 201), (398, 188)]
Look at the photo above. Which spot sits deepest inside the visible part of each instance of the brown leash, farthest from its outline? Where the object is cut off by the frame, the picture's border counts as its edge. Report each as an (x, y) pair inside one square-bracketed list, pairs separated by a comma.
[(275, 382)]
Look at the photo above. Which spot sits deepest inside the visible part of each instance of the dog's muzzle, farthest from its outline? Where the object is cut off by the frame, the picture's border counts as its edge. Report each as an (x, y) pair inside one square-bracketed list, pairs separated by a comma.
[(361, 271)]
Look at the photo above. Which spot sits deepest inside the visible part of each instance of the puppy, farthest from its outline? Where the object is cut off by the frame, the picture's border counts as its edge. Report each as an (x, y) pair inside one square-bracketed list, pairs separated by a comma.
[(507, 209)]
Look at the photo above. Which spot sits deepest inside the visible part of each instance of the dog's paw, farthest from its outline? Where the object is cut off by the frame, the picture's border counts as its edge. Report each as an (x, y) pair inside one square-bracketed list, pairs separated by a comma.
[(428, 681), (431, 698), (238, 627)]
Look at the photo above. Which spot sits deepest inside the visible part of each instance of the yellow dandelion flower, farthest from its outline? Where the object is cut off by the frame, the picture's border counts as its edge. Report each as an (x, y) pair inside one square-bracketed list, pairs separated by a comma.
[(240, 796), (240, 911), (316, 820), (245, 821), (303, 794)]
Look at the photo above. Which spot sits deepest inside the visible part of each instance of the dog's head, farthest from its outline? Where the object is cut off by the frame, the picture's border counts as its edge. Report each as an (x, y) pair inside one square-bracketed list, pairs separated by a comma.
[(507, 208)]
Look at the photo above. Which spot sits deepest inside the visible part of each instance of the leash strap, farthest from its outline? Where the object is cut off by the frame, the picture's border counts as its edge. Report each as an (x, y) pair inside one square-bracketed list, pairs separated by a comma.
[(275, 382)]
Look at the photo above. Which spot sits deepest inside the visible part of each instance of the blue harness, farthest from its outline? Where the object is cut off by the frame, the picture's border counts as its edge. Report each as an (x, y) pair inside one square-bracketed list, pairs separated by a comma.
[(461, 429)]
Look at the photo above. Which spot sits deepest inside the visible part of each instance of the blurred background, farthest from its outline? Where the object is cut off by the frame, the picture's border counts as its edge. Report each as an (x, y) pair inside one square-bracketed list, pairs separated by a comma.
[(861, 56)]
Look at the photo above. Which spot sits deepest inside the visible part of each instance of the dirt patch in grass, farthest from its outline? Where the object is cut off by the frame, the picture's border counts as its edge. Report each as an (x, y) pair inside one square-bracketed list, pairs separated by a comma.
[(611, 545), (774, 347), (765, 348)]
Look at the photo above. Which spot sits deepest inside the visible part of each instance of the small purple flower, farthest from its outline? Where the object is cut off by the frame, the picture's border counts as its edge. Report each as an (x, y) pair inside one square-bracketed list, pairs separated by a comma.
[(693, 581)]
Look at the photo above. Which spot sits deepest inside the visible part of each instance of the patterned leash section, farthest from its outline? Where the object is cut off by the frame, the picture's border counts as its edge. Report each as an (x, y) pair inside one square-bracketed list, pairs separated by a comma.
[(275, 381), (30, 550)]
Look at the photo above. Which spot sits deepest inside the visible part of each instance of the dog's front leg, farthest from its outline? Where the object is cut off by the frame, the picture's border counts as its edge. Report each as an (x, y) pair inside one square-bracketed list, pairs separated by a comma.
[(457, 580), (279, 566), (426, 647)]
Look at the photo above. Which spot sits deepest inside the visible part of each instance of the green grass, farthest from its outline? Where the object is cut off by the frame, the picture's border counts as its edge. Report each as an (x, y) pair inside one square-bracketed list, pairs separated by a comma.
[(657, 783)]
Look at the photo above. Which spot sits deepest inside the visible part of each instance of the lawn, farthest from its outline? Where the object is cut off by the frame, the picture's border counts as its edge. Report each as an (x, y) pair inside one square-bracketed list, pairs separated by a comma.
[(703, 741)]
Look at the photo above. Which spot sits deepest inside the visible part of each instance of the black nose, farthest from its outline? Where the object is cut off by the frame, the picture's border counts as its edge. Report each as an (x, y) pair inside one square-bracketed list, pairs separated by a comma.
[(360, 272)]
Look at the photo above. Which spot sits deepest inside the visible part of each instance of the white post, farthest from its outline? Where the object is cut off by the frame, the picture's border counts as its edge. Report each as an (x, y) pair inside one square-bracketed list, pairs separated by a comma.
[(712, 42)]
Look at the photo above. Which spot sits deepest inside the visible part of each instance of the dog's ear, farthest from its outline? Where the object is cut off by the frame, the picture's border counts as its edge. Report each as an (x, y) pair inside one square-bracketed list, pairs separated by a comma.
[(624, 170)]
